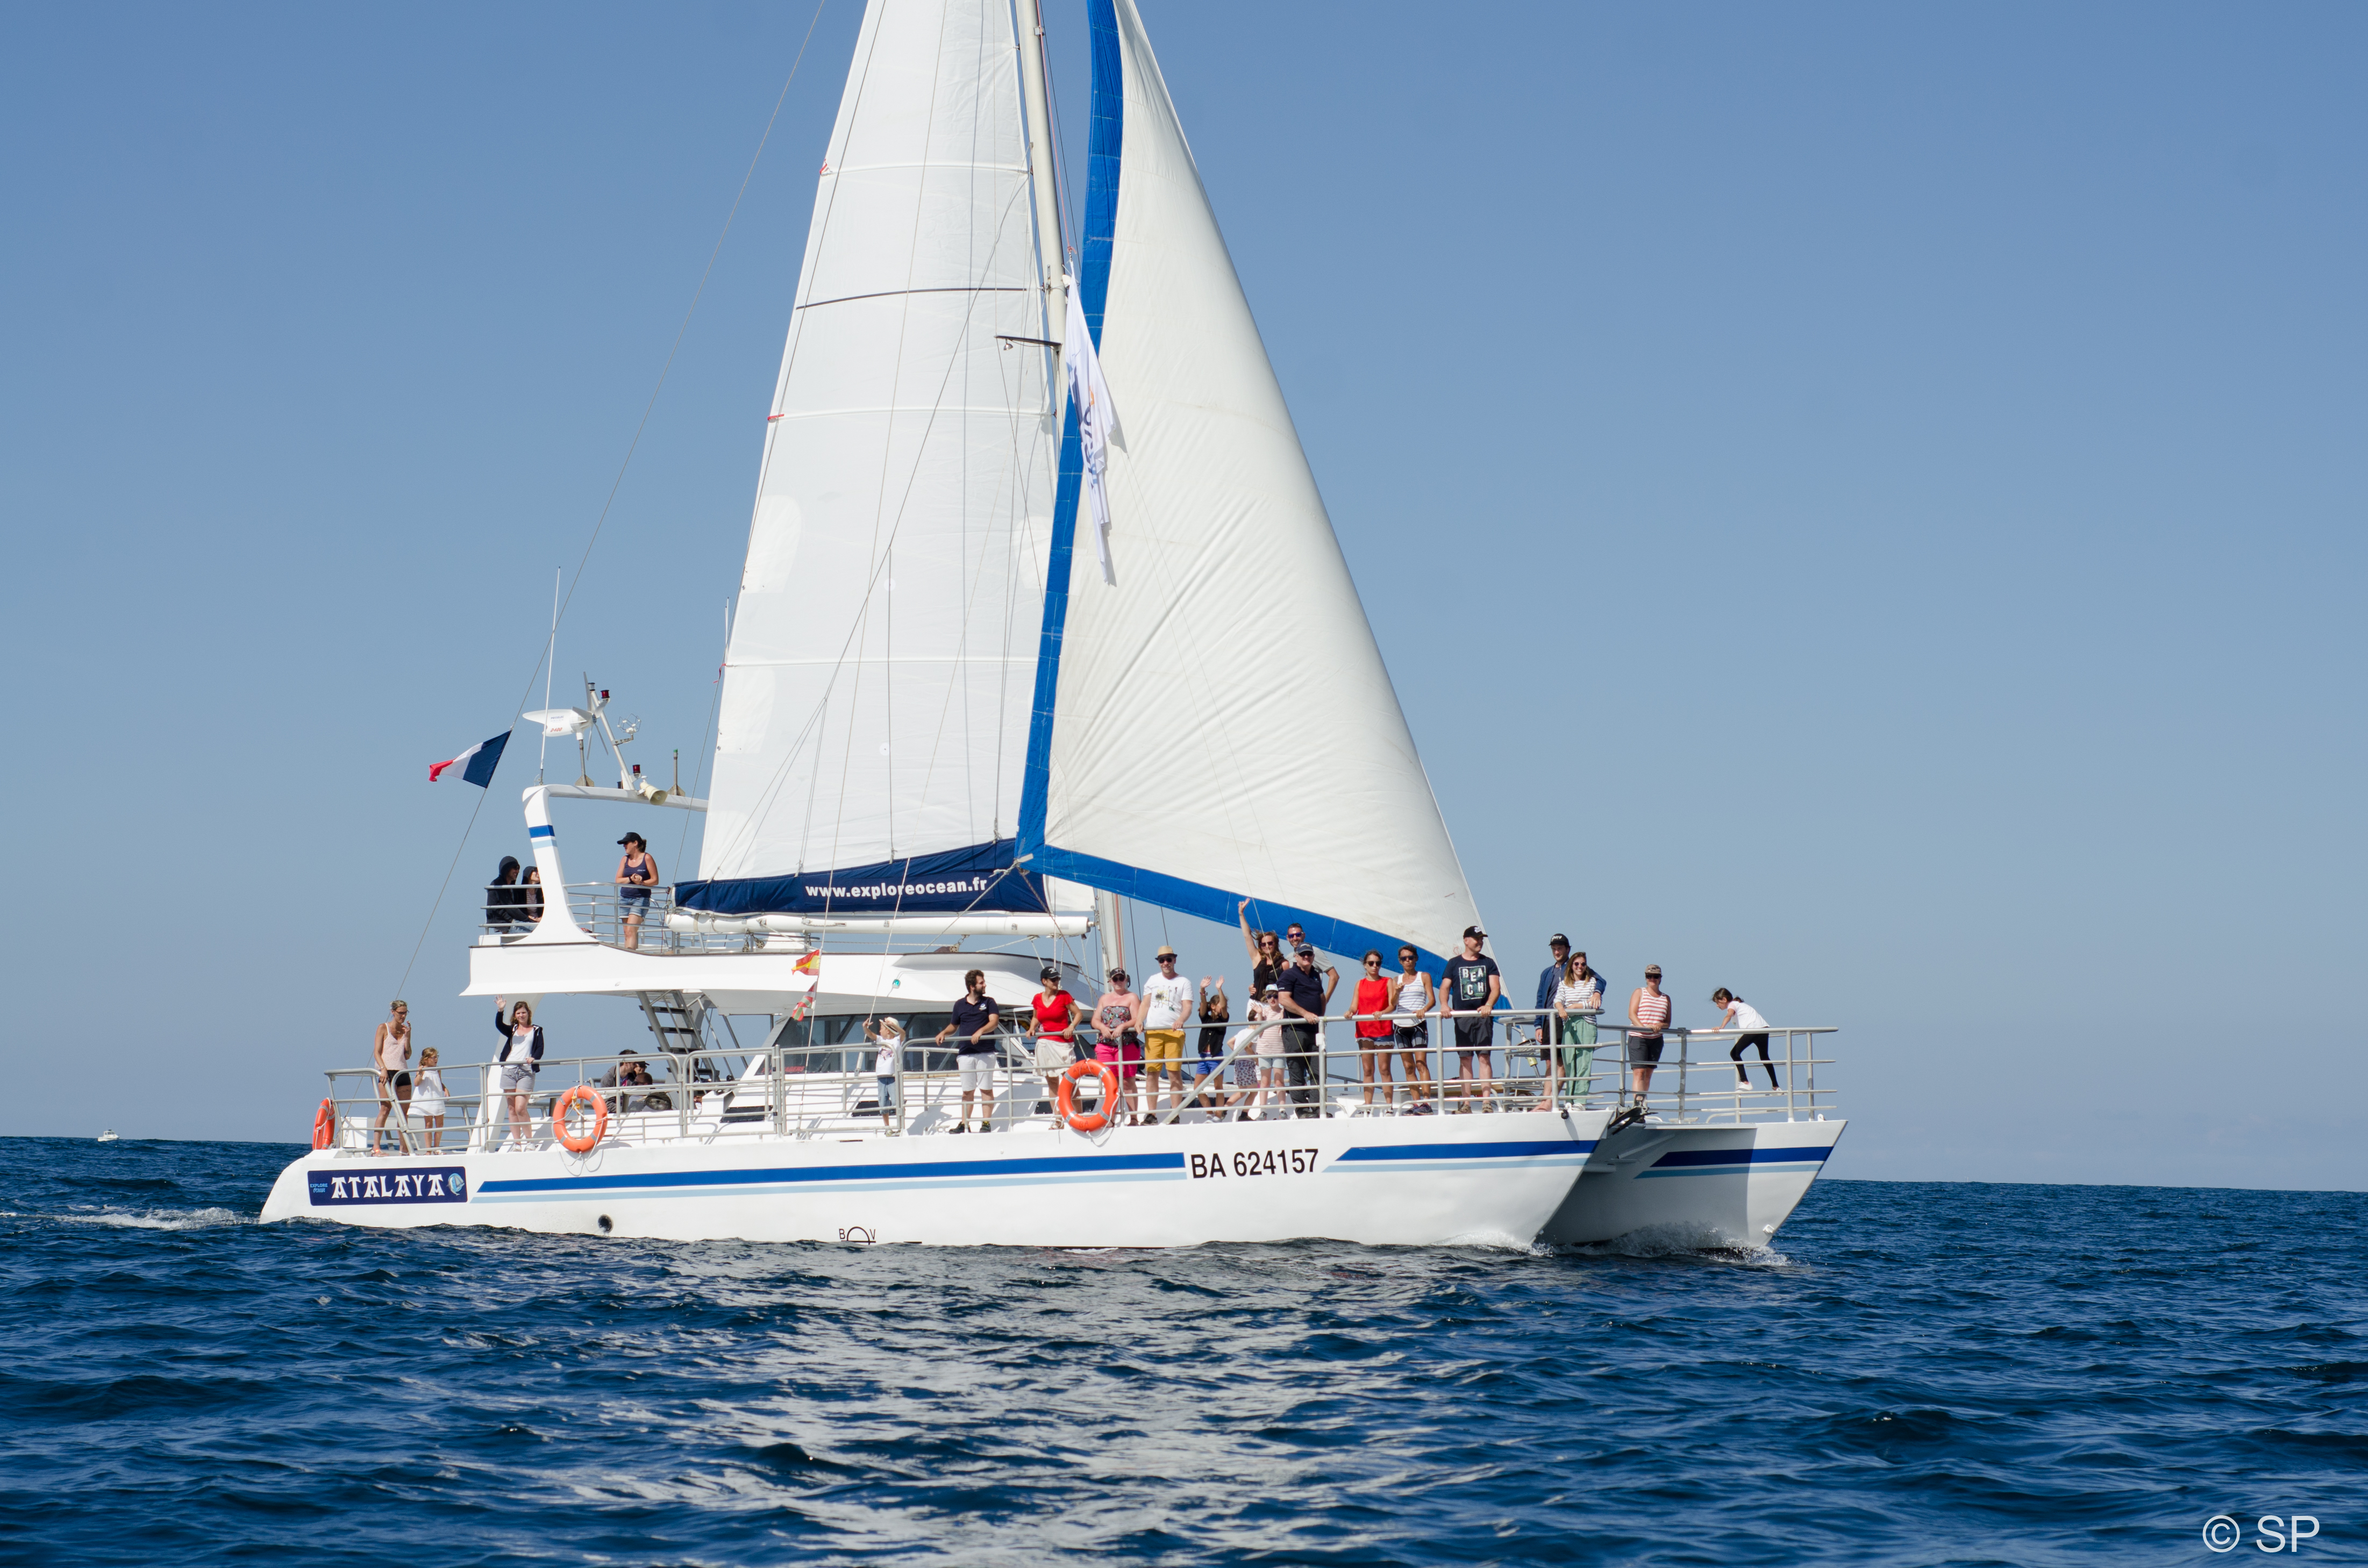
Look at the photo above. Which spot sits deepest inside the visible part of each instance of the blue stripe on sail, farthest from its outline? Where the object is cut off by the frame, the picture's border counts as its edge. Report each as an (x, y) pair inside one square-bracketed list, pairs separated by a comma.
[(976, 880), (1215, 903), (939, 1170), (1104, 134), (1465, 1151)]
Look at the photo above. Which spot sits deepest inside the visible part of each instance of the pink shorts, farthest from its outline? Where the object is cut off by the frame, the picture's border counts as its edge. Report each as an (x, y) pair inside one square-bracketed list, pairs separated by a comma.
[(1127, 1058)]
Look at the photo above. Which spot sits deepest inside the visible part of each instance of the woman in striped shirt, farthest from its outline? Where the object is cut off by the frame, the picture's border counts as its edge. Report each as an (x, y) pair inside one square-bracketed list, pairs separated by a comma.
[(1649, 1010)]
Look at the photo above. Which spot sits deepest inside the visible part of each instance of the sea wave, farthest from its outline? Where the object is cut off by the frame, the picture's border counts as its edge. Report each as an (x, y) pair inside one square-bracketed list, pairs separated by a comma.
[(1920, 1374)]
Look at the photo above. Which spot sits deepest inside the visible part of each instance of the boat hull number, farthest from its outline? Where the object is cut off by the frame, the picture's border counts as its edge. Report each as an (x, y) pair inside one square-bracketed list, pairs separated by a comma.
[(1252, 1162)]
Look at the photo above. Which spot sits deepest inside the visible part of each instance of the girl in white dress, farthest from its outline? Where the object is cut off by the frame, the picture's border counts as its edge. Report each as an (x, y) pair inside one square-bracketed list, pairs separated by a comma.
[(427, 1098)]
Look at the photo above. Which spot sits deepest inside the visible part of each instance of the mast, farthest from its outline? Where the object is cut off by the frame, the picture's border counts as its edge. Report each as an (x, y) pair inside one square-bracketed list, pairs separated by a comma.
[(1036, 102)]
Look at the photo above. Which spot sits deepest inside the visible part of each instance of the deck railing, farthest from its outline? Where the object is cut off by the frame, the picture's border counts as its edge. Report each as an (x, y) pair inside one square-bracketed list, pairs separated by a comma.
[(832, 1090)]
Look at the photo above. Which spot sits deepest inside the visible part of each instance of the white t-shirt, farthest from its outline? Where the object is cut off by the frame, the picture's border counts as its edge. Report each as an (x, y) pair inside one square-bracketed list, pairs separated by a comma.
[(1747, 1017), (884, 1065), (1167, 1004)]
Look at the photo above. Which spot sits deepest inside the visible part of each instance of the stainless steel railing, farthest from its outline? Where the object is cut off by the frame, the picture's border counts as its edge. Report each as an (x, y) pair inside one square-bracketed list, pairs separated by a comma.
[(834, 1089)]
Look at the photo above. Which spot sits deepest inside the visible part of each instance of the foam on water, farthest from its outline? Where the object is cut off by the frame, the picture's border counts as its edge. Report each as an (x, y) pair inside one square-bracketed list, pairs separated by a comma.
[(1921, 1374)]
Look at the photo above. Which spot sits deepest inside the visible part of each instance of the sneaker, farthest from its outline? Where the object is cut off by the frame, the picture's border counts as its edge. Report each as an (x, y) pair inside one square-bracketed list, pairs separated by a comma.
[(962, 1127)]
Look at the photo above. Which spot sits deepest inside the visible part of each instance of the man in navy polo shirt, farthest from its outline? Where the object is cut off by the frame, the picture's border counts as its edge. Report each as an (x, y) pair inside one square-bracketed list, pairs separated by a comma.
[(1304, 996)]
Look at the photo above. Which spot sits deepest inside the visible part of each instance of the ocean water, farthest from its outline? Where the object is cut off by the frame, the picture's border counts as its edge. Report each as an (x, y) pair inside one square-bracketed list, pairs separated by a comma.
[(1916, 1374)]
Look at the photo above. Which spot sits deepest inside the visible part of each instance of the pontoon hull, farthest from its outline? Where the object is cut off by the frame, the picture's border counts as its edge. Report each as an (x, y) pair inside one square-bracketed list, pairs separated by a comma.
[(1694, 1186), (1493, 1180)]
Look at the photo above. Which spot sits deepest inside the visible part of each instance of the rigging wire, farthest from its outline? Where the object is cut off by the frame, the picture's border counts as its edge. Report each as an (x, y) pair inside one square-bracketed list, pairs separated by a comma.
[(632, 447)]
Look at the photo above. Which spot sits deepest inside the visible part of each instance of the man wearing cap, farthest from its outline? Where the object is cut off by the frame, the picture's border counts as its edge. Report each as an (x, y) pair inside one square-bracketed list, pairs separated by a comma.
[(1303, 996), (1055, 1028), (1649, 1010), (1552, 975), (1473, 984), (1168, 1001)]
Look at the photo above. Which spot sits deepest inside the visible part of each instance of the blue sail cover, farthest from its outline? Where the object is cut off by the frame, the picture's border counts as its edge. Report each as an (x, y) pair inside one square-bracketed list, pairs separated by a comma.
[(978, 879)]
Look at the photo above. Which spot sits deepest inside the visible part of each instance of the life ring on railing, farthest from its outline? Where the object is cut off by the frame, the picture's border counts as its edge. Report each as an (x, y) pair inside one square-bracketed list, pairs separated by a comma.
[(1087, 1121), (325, 1125), (581, 1093)]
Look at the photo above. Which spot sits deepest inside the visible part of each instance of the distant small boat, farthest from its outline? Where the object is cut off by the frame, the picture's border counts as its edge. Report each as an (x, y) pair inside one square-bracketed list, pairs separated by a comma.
[(107, 1136)]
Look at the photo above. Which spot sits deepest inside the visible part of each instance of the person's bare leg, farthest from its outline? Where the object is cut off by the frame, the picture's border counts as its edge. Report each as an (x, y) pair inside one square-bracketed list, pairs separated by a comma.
[(965, 1121), (378, 1128), (987, 1110)]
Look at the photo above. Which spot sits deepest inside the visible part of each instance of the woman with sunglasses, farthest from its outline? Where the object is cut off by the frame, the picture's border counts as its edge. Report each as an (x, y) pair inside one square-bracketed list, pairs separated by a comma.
[(1266, 953), (1411, 996), (1372, 1010)]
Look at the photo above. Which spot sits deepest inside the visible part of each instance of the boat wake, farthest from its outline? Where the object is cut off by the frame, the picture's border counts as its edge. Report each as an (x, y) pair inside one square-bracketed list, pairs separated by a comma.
[(1677, 1240), (151, 1218)]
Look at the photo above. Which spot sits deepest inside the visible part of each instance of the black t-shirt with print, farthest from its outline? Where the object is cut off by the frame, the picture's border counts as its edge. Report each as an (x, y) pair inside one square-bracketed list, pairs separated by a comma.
[(1467, 981)]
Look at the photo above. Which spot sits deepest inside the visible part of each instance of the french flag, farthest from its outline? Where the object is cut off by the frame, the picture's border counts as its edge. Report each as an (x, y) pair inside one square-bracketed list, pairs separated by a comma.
[(476, 764)]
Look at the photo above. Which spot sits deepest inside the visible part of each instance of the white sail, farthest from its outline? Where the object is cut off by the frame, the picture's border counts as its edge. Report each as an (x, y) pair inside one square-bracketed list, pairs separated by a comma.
[(876, 690), (1223, 721)]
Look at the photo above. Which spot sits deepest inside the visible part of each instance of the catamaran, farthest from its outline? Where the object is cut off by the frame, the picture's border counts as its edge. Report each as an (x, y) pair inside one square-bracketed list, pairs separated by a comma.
[(953, 737)]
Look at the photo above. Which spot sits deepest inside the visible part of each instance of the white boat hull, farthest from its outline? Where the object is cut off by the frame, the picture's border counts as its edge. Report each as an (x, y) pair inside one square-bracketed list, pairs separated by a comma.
[(1694, 1184), (1427, 1181)]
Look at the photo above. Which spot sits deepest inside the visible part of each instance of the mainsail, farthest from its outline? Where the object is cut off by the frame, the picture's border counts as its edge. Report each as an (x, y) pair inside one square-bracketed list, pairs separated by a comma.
[(1214, 725), (1217, 724), (876, 689)]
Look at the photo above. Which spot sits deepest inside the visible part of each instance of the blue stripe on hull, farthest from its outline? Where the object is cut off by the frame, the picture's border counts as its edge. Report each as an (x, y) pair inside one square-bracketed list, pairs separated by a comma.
[(920, 1172), (1452, 1151), (1736, 1161)]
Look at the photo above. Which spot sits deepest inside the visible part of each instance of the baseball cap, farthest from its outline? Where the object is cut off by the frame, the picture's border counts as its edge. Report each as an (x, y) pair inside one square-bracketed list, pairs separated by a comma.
[(1303, 950), (1476, 931), (1653, 971), (1558, 939), (1119, 975), (633, 838), (1050, 971)]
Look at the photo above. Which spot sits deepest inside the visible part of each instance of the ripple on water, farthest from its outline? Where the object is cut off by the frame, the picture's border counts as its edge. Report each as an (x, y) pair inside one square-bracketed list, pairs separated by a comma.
[(1920, 1373)]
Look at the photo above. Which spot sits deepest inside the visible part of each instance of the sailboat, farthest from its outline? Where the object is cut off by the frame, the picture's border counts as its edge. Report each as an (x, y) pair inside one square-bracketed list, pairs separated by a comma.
[(1032, 535)]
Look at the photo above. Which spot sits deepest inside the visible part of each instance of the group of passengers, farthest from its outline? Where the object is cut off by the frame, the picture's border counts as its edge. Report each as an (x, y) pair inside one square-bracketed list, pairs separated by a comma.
[(1139, 1035), (1139, 1038), (514, 898)]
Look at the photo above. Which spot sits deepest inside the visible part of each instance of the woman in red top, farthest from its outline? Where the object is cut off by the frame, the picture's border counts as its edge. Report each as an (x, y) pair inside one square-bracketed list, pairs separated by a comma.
[(1373, 1029), (1057, 1013)]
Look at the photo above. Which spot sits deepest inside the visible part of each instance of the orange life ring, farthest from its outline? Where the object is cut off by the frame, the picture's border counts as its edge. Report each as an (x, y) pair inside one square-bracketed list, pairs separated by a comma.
[(1087, 1121), (584, 1145), (325, 1125)]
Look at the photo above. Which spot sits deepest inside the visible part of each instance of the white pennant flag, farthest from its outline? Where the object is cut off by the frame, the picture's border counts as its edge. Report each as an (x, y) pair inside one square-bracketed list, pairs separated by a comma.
[(1096, 422)]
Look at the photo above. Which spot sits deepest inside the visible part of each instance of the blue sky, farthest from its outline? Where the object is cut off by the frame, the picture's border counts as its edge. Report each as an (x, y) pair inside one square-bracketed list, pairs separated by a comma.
[(1890, 479)]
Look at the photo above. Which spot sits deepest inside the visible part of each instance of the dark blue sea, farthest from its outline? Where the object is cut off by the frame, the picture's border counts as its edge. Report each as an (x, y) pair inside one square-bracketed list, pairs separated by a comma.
[(1917, 1374)]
